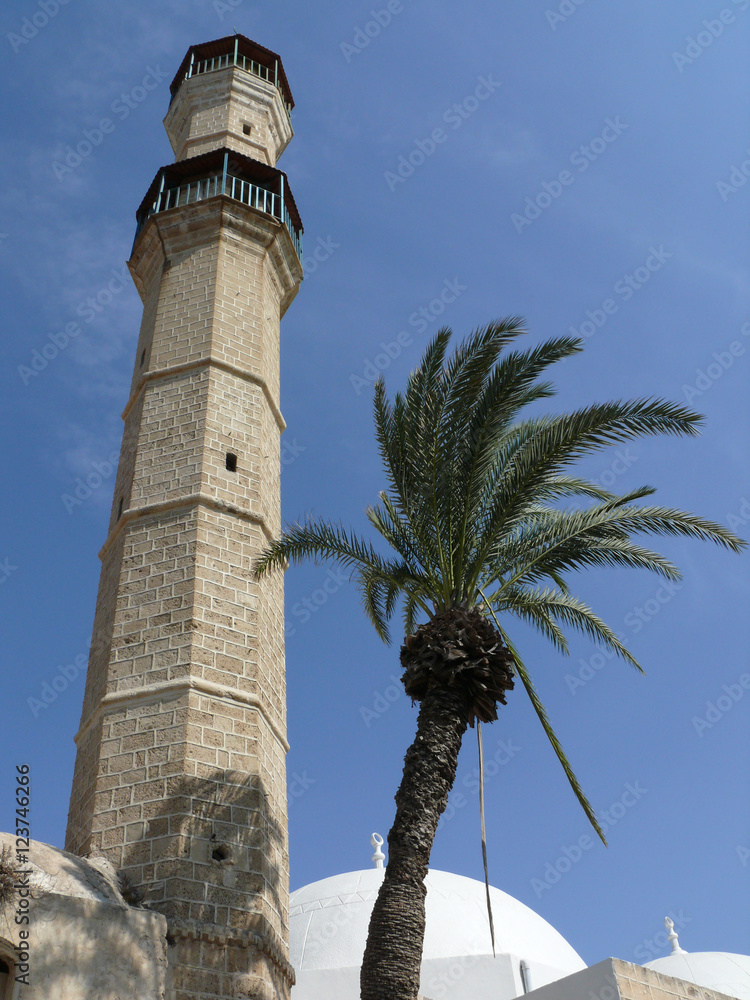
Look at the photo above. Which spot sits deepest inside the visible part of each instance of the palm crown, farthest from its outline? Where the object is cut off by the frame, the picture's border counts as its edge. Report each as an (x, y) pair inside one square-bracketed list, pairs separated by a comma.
[(473, 509)]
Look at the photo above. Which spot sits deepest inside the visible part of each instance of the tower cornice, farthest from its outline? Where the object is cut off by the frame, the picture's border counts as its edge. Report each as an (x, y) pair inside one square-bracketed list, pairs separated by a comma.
[(177, 229), (173, 370), (130, 514), (150, 693)]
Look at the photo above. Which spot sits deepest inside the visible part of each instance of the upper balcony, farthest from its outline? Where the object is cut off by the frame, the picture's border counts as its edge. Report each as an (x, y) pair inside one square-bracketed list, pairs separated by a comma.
[(239, 51), (221, 172)]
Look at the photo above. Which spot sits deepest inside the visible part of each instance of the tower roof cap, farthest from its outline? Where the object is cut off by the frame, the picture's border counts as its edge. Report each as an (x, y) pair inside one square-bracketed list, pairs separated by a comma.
[(245, 47)]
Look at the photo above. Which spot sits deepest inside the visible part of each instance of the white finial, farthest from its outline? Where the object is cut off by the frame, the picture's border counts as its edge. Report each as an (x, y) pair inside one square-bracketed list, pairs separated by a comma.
[(378, 857), (672, 936)]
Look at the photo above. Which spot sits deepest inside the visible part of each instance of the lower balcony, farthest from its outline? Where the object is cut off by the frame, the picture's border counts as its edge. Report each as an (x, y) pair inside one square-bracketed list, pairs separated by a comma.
[(221, 172)]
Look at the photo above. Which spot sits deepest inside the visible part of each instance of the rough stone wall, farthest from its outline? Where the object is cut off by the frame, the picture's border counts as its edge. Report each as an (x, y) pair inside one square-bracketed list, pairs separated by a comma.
[(83, 941), (83, 949)]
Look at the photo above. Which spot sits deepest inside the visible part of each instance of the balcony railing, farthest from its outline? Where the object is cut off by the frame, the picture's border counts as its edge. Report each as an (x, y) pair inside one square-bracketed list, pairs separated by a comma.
[(224, 183), (235, 58)]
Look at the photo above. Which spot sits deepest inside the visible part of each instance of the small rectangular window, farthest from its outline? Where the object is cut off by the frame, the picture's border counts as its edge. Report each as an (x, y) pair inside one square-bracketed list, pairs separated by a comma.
[(246, 129), (143, 356), (231, 461), (119, 509)]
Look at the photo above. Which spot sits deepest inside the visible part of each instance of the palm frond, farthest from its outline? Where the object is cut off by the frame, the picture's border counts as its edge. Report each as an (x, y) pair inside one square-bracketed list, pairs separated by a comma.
[(565, 608), (549, 444), (551, 735), (318, 540)]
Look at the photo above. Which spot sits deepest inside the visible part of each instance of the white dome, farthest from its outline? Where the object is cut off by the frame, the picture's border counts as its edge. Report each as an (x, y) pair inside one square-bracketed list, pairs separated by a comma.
[(713, 970), (329, 920)]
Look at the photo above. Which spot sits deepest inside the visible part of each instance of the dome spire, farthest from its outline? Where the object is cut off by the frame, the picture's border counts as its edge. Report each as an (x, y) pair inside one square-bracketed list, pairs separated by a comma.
[(378, 857), (672, 936)]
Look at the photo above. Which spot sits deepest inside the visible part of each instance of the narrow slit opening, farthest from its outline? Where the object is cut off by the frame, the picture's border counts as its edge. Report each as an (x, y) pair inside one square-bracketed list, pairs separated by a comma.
[(231, 461)]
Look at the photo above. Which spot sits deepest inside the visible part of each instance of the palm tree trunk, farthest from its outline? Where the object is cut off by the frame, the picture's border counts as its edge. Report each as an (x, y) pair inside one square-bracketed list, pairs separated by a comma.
[(393, 955)]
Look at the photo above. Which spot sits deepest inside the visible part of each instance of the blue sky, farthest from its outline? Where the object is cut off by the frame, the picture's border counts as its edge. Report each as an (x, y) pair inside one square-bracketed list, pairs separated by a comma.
[(578, 164)]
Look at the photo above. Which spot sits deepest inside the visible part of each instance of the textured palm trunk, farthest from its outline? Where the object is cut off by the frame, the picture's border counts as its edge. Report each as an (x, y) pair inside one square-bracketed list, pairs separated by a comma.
[(390, 969)]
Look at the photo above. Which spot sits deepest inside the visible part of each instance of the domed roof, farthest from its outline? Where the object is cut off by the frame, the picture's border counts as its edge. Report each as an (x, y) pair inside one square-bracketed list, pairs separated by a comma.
[(329, 920), (713, 970), (56, 871)]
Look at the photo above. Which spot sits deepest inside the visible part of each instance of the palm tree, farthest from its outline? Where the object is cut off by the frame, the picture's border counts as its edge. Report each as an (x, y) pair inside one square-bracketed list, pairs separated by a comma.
[(474, 517)]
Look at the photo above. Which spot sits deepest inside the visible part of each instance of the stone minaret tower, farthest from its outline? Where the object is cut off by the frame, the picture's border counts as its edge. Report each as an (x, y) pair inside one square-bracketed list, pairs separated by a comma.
[(180, 774)]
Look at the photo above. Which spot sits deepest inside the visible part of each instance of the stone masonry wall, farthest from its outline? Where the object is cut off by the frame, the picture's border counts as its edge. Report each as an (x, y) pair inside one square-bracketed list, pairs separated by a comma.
[(613, 979), (637, 983), (212, 110)]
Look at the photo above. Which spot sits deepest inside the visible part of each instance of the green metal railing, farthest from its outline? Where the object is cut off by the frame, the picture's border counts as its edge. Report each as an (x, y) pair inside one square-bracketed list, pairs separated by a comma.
[(235, 58), (225, 183)]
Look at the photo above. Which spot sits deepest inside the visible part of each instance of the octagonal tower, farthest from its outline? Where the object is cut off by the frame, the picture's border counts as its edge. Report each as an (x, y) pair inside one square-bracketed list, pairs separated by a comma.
[(180, 772)]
